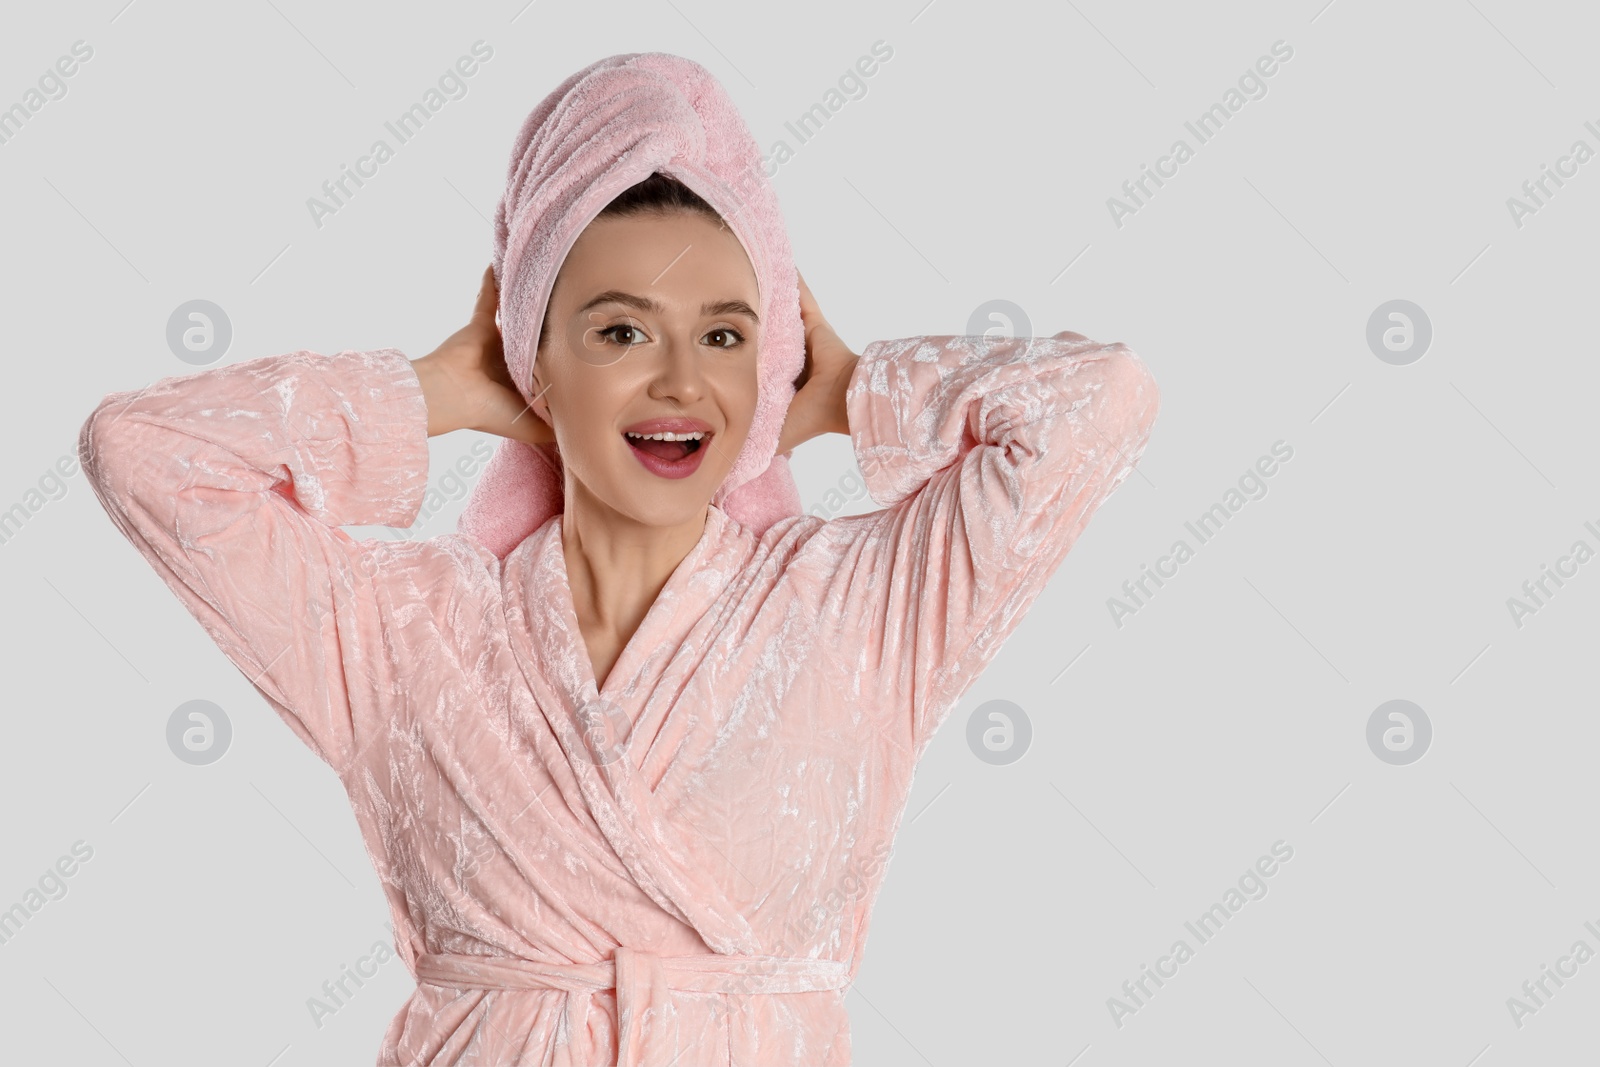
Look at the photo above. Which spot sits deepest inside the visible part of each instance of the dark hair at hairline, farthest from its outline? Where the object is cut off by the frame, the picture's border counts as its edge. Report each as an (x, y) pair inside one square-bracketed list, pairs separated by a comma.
[(661, 194)]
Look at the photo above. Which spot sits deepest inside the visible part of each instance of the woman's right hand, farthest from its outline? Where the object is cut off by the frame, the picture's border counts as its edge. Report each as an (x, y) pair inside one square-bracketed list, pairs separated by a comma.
[(466, 382)]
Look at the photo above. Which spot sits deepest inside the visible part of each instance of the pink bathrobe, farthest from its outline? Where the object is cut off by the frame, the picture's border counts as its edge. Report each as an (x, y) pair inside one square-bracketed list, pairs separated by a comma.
[(678, 869)]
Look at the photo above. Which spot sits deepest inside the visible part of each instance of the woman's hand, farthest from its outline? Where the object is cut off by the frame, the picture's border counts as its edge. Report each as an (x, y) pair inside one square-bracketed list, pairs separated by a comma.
[(467, 385), (819, 406)]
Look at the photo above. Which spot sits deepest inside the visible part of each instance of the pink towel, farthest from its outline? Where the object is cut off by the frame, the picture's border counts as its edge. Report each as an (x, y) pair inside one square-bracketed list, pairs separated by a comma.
[(606, 128)]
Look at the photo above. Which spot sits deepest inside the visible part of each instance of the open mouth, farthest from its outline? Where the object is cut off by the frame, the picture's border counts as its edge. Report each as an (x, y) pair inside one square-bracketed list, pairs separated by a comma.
[(672, 451), (661, 455)]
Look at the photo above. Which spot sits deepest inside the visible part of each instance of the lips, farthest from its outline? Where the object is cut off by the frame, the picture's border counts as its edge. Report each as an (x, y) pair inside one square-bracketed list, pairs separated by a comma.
[(677, 424), (668, 458)]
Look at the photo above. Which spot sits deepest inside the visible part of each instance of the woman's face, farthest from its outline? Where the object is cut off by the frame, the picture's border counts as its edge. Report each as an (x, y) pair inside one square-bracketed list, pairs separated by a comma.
[(652, 326)]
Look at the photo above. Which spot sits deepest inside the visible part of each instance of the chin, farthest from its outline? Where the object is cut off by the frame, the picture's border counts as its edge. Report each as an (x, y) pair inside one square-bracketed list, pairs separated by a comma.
[(653, 501), (667, 513)]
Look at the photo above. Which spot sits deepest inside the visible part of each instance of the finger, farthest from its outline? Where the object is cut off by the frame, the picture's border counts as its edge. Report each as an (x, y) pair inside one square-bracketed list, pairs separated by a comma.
[(810, 313), (804, 376), (488, 295)]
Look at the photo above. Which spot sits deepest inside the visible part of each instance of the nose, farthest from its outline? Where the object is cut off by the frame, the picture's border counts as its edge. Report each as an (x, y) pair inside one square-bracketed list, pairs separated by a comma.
[(678, 374)]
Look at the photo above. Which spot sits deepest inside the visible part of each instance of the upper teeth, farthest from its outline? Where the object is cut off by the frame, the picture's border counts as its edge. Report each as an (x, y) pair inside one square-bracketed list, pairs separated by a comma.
[(696, 436)]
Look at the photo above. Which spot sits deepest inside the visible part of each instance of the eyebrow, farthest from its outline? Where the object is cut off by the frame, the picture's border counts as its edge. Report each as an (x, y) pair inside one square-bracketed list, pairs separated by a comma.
[(648, 304)]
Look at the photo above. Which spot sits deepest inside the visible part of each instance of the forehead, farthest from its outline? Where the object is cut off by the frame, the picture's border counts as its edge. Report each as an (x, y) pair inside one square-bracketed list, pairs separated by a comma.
[(677, 252)]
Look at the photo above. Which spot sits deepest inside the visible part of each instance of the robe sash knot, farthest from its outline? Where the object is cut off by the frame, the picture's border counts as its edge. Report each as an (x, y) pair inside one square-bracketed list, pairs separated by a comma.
[(641, 980)]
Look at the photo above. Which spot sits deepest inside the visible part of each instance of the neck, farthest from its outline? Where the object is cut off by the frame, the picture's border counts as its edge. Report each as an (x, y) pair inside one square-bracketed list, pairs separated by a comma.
[(616, 565)]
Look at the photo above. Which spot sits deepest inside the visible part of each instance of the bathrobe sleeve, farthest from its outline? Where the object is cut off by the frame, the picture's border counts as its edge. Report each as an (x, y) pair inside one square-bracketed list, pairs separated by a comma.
[(232, 482), (990, 456)]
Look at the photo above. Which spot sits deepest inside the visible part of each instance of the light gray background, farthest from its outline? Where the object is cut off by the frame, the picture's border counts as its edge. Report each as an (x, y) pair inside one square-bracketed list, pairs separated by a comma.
[(1228, 714)]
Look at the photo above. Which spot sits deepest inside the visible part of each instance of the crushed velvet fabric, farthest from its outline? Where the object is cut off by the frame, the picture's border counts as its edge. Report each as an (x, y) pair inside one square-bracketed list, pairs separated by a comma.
[(679, 867)]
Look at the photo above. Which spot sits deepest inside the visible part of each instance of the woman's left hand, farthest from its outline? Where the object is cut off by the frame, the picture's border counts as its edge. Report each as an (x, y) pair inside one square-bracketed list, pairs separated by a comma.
[(819, 406)]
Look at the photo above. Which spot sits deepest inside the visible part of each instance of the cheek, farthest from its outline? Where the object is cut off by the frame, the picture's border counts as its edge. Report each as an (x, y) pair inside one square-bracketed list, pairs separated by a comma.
[(584, 402), (741, 391)]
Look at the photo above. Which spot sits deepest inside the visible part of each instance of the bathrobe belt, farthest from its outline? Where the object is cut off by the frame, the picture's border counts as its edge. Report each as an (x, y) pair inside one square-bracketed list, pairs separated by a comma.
[(641, 980)]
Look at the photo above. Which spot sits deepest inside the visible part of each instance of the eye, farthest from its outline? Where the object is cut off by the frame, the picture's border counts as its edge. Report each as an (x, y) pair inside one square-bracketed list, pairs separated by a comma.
[(609, 330), (727, 331)]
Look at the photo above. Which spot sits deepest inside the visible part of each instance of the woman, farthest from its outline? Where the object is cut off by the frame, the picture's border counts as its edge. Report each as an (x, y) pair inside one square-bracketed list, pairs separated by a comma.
[(629, 751)]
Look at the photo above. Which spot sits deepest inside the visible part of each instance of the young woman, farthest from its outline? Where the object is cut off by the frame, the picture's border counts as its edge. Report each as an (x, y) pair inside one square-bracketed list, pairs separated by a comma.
[(629, 777)]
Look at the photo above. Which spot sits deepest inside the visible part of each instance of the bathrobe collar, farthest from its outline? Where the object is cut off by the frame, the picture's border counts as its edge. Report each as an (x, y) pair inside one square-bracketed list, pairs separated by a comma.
[(606, 734)]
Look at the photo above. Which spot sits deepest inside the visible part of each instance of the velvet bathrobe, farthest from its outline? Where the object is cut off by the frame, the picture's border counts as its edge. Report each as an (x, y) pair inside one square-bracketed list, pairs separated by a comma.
[(676, 868)]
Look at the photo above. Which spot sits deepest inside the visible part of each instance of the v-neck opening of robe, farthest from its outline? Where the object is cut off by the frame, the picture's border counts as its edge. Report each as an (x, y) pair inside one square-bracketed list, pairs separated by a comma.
[(625, 666)]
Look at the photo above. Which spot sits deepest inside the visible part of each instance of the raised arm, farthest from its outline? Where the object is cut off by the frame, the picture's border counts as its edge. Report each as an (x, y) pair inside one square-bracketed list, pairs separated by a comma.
[(232, 482), (990, 456)]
